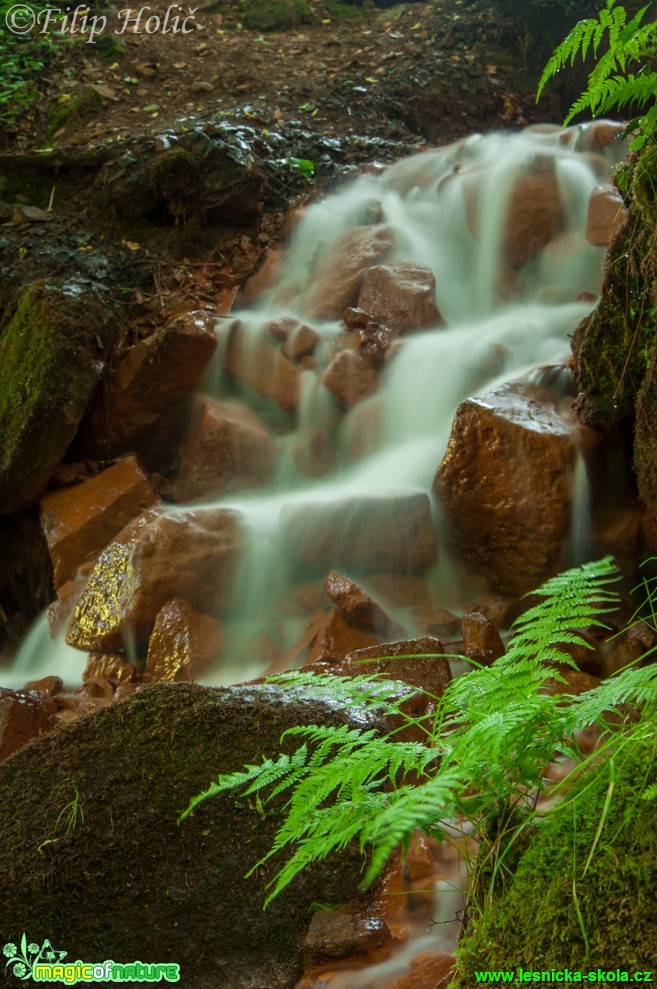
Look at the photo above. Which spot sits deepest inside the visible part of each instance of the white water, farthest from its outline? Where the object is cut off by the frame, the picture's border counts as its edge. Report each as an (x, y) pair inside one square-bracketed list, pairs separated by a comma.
[(498, 327)]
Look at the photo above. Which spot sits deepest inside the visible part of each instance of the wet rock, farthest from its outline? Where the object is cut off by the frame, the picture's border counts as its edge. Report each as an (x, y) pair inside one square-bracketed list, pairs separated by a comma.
[(350, 378), (481, 640), (358, 606), (337, 278), (280, 329), (437, 621), (336, 935), (46, 686), (599, 135), (417, 662), (165, 744), (300, 343), (79, 521), (108, 666), (183, 645), (418, 860), (606, 216), (264, 279), (261, 366), (363, 535), (143, 405), (51, 356), (337, 637), (374, 344), (505, 487), (428, 969), (361, 428), (59, 611), (24, 715), (312, 452), (188, 554), (400, 295), (225, 448)]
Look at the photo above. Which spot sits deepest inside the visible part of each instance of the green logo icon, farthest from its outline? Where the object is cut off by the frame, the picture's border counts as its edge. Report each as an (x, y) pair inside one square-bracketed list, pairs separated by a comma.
[(21, 962)]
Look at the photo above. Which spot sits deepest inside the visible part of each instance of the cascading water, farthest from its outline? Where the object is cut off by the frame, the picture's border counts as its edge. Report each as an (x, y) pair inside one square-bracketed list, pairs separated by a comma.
[(508, 300)]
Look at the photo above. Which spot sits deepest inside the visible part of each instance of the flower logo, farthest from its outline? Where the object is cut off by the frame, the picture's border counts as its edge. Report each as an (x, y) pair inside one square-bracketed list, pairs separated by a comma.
[(21, 962)]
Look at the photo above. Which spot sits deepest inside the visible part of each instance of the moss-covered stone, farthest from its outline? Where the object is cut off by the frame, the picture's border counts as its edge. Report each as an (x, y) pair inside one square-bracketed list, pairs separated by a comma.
[(50, 356), (126, 882), (78, 107), (562, 911), (276, 15)]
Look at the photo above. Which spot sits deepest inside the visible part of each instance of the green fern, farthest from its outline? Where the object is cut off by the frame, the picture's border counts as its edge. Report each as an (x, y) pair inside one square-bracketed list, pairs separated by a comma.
[(610, 85), (486, 743)]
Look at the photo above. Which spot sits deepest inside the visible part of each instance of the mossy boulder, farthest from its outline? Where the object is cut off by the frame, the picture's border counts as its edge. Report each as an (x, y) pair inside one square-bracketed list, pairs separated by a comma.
[(561, 910), (51, 353), (125, 881)]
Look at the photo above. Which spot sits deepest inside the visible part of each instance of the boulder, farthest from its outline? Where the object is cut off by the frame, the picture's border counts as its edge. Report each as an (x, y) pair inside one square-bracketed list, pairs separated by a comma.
[(505, 486), (51, 356), (335, 638), (187, 554), (347, 936), (358, 606), (606, 216), (363, 535), (136, 765), (300, 343), (79, 521), (481, 640), (256, 362), (108, 666), (350, 378), (416, 662), (337, 277), (24, 715), (226, 448), (143, 405), (401, 296), (183, 645)]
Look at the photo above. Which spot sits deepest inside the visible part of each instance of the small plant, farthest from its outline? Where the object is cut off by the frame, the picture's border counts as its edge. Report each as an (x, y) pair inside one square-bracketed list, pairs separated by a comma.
[(485, 746), (611, 84), (68, 818)]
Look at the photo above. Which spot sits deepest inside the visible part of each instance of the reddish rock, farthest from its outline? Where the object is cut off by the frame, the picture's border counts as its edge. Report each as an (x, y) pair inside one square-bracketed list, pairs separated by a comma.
[(357, 605), (363, 535), (350, 377), (599, 134), (344, 935), (143, 405), (183, 645), (263, 279), (502, 612), (437, 621), (337, 637), (605, 218), (337, 278), (226, 448), (46, 686), (505, 486), (481, 640), (187, 554), (300, 343), (401, 295), (417, 662), (361, 428), (24, 715), (399, 590), (428, 969), (280, 329), (534, 212), (419, 861), (79, 521), (254, 360), (312, 452), (576, 682), (108, 666)]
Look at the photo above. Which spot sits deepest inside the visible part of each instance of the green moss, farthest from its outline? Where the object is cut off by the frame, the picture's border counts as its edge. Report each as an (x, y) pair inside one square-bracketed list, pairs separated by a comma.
[(84, 105), (276, 15), (535, 922), (644, 185)]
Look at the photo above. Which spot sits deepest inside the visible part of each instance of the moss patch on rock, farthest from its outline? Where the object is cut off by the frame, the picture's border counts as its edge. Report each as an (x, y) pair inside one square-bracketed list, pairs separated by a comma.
[(127, 882), (276, 15), (50, 354), (562, 911)]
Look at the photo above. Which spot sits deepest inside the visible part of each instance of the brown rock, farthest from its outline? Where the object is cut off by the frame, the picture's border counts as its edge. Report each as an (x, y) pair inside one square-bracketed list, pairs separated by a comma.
[(418, 860), (399, 590), (505, 487), (24, 715), (183, 644), (606, 216), (280, 329), (108, 666), (343, 935), (46, 686), (261, 366), (437, 621), (263, 279), (481, 640), (357, 605), (576, 682), (599, 134), (30, 214), (144, 404), (361, 429), (350, 378), (428, 969), (190, 554), (618, 532), (400, 295), (300, 343), (59, 612), (312, 452), (362, 535), (337, 278), (336, 638), (79, 521), (225, 448), (417, 662)]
